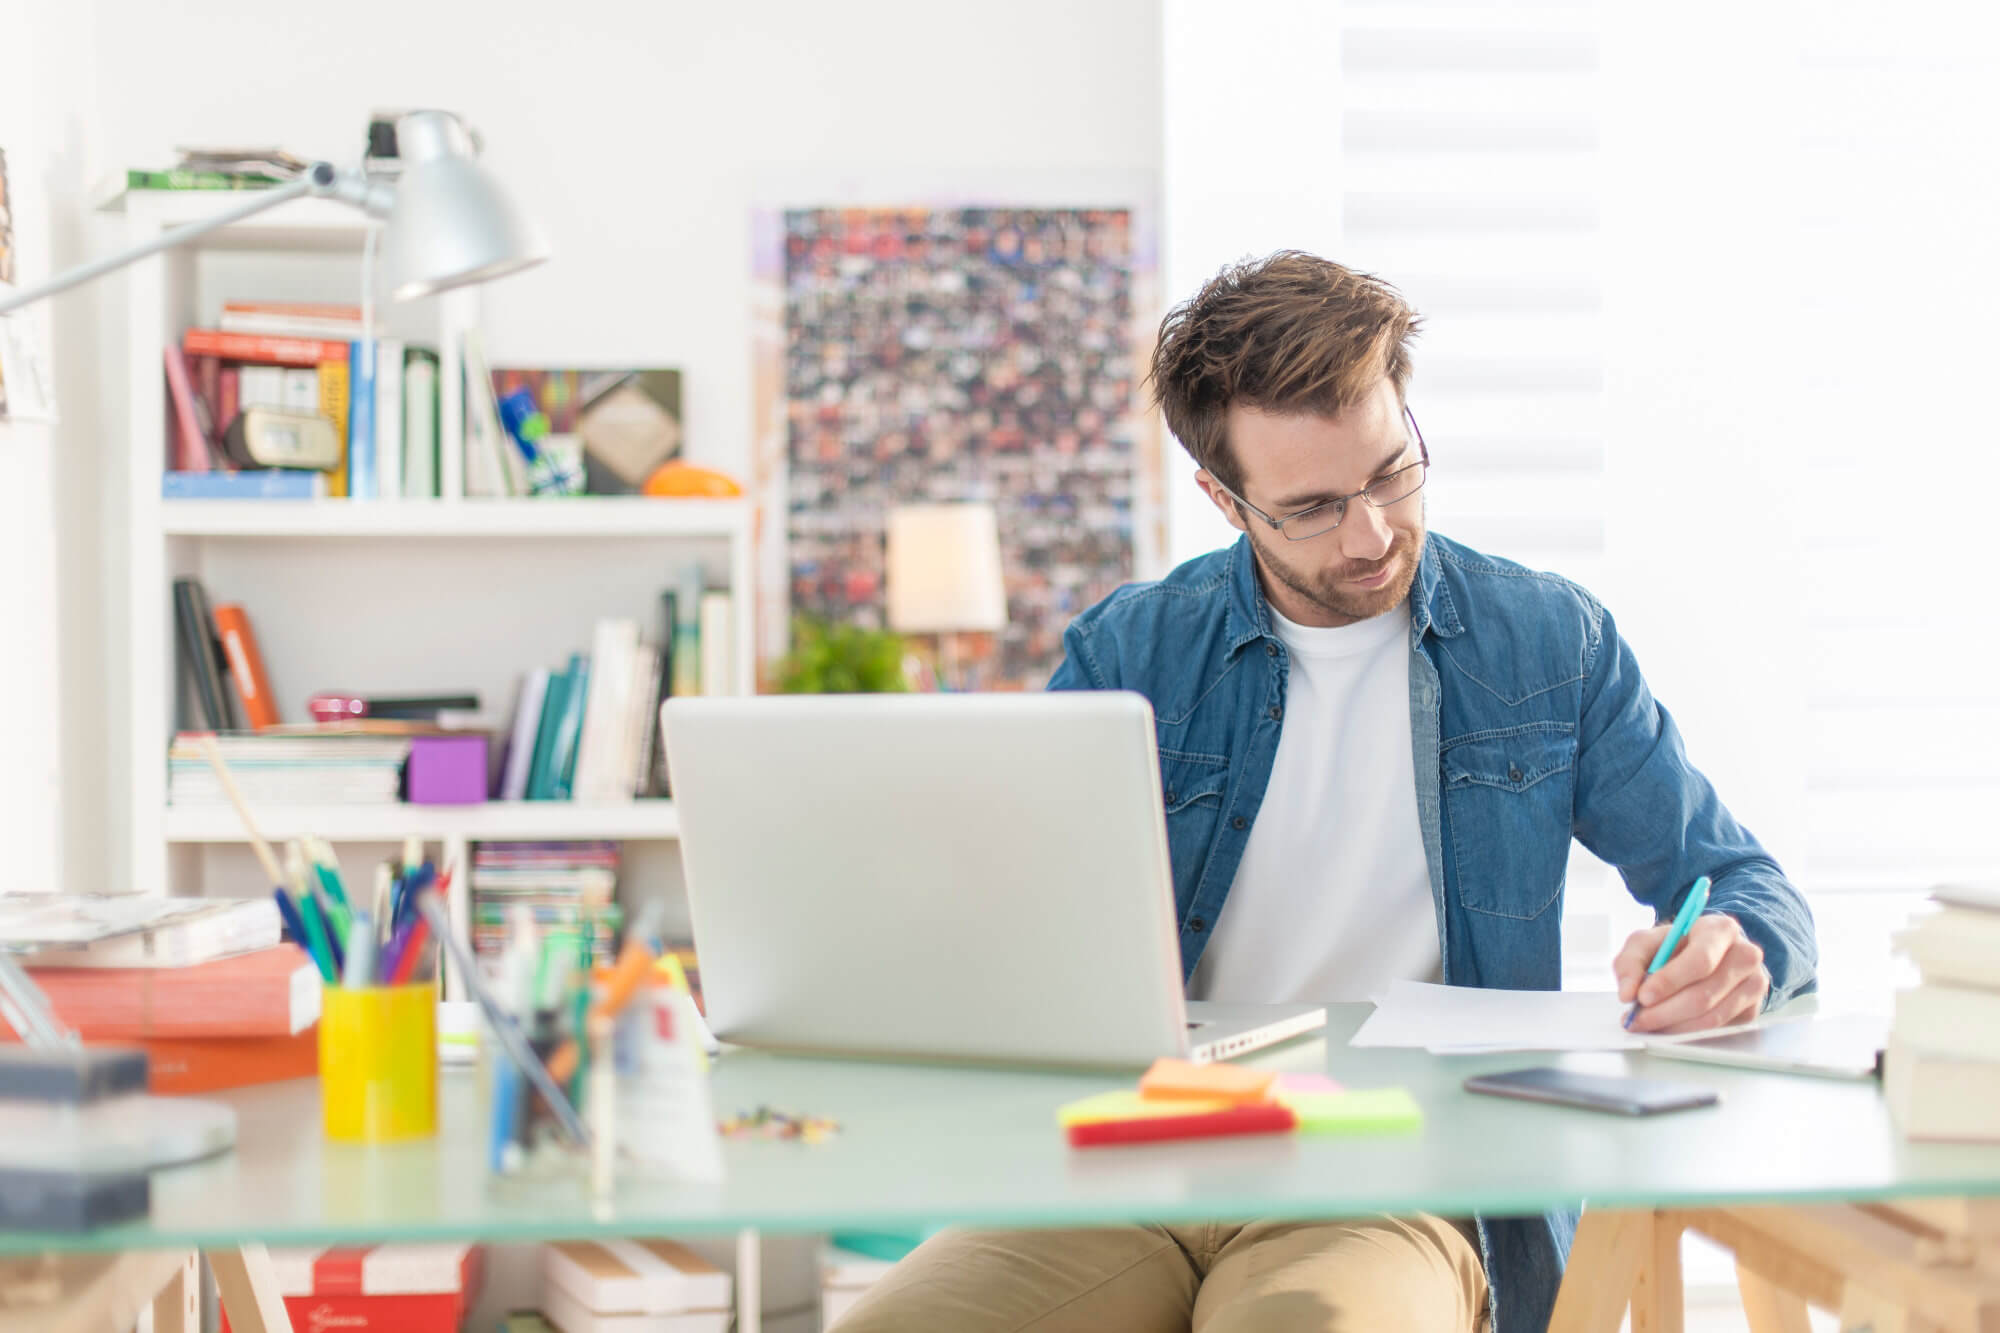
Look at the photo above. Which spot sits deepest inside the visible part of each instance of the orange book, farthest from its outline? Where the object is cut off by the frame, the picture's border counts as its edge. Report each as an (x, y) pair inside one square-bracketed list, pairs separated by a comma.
[(246, 666), (262, 348), (207, 1064), (270, 993)]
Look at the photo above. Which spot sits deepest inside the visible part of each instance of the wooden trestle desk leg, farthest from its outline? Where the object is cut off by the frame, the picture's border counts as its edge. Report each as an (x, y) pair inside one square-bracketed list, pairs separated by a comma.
[(1610, 1248), (177, 1307), (1768, 1307), (248, 1286)]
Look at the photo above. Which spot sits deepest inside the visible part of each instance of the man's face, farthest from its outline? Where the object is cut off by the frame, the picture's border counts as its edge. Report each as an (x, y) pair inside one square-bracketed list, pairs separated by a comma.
[(1365, 566)]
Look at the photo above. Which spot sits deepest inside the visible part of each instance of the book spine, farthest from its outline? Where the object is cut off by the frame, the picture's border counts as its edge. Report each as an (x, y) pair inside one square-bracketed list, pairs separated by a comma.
[(333, 405), (687, 636), (718, 662), (298, 390), (339, 314), (389, 418), (256, 484), (228, 394), (218, 665), (198, 180), (192, 633), (361, 483), (176, 1066), (246, 665), (260, 386), (256, 347), (562, 762), (521, 742), (283, 326), (191, 453), (420, 425), (541, 783), (657, 782)]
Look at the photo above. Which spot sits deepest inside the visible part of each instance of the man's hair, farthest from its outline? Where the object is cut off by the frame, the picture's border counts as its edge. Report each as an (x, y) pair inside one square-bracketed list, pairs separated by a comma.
[(1289, 333)]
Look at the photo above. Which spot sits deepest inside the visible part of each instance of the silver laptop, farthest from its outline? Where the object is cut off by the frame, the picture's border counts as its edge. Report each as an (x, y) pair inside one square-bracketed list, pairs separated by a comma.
[(976, 877)]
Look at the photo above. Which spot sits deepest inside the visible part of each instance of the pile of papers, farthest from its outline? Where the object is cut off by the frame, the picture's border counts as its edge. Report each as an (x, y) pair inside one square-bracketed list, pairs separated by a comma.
[(1466, 1020)]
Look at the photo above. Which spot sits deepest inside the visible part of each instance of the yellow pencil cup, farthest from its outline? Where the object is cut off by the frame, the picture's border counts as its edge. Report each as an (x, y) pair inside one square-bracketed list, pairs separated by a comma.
[(378, 1068)]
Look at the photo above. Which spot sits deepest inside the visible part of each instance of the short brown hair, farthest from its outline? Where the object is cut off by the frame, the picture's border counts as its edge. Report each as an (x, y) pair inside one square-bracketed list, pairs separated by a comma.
[(1287, 333)]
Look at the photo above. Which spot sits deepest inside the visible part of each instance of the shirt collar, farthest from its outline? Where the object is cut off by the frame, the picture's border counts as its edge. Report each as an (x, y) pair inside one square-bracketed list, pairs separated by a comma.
[(1247, 618)]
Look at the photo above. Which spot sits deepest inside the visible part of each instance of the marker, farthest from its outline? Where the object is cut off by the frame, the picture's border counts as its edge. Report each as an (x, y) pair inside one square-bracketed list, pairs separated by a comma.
[(1690, 909), (359, 971)]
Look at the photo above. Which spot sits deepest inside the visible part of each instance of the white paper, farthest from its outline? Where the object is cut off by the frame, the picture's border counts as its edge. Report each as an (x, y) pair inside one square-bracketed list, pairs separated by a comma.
[(1458, 1020)]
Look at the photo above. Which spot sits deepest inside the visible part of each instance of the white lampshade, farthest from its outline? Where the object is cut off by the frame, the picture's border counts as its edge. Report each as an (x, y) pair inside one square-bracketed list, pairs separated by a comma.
[(453, 223), (944, 569)]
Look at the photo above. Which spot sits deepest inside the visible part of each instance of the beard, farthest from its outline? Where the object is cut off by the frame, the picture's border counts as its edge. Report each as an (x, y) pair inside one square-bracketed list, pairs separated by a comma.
[(1329, 589)]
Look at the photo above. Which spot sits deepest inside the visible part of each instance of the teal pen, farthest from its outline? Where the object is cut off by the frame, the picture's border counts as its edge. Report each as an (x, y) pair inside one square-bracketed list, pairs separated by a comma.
[(1691, 908)]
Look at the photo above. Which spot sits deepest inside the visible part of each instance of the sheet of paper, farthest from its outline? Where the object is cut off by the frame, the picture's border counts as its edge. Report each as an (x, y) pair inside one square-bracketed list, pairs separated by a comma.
[(1455, 1020)]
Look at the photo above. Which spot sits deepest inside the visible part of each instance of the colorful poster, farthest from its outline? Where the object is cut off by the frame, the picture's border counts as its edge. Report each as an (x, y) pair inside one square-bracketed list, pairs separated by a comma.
[(934, 355)]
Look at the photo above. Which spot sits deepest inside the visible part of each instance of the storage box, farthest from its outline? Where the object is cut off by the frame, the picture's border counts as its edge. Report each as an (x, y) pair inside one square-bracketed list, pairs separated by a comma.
[(380, 1289), (843, 1277), (446, 770), (633, 1286)]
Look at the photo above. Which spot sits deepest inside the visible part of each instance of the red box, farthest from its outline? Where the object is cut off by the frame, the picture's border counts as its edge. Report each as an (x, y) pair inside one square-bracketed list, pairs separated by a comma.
[(380, 1289)]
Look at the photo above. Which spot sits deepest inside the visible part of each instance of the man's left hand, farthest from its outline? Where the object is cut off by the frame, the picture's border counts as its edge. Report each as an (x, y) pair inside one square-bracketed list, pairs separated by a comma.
[(1716, 978)]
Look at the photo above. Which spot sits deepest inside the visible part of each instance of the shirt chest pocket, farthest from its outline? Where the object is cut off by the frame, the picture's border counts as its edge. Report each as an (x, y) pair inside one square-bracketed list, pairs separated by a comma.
[(1193, 788), (1509, 797)]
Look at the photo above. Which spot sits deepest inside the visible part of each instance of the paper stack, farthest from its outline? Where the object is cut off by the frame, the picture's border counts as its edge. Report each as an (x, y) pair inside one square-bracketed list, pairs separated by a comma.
[(1942, 1068)]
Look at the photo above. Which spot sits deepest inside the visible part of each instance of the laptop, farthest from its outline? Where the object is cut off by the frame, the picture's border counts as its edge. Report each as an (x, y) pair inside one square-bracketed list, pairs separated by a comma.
[(951, 877)]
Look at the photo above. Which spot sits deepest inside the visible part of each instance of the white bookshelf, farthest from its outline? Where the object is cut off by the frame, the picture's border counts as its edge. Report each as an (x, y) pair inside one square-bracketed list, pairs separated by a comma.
[(376, 596)]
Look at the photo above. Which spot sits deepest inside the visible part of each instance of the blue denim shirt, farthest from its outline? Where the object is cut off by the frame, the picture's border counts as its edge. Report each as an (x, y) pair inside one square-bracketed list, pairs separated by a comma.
[(1531, 725)]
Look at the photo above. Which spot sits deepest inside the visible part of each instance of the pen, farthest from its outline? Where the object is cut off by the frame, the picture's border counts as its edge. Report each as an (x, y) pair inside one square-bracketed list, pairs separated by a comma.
[(359, 970), (316, 940), (1696, 900)]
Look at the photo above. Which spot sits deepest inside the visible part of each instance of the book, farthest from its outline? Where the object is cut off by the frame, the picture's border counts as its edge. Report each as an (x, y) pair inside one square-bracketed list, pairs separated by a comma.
[(687, 634), (136, 179), (193, 426), (334, 403), (388, 420), (1956, 946), (1936, 1097), (262, 348), (656, 771), (569, 729), (260, 386), (292, 319), (493, 466), (635, 1276), (114, 930), (1955, 1022), (718, 644), (541, 776), (569, 1315), (641, 720), (403, 1288), (256, 484), (606, 709), (246, 666), (267, 992), (361, 372), (298, 389), (201, 657), (177, 1066), (420, 424), (520, 758)]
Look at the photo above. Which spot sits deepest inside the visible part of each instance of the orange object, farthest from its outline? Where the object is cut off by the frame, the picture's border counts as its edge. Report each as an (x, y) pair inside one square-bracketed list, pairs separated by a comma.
[(1252, 1118), (272, 992), (631, 968), (246, 667), (1180, 1078), (680, 479), (208, 1064)]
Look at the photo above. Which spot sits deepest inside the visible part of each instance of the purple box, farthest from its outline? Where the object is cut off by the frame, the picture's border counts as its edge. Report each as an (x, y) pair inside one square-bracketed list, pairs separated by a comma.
[(446, 770)]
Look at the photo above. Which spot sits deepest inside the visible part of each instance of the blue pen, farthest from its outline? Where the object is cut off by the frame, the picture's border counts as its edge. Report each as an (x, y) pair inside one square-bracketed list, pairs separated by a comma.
[(1691, 908), (288, 912)]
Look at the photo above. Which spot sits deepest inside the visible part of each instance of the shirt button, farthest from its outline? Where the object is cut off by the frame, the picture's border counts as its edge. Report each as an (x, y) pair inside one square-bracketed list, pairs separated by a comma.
[(1170, 798), (1197, 925), (1239, 823), (1513, 773), (1270, 650), (1277, 712)]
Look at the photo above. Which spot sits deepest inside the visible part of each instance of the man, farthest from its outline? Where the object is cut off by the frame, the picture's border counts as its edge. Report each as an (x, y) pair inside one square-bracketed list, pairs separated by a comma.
[(1375, 747)]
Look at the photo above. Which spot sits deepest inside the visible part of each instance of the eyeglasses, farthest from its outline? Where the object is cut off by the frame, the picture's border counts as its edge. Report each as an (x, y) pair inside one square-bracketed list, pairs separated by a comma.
[(1325, 516)]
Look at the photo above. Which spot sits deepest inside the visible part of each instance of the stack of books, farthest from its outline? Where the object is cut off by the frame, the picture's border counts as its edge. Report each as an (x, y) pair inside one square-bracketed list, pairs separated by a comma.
[(413, 1288), (565, 886), (275, 769), (1942, 1069), (204, 987)]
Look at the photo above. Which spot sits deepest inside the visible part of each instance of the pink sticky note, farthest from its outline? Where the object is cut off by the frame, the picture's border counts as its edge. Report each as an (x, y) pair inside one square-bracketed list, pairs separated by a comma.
[(1305, 1083)]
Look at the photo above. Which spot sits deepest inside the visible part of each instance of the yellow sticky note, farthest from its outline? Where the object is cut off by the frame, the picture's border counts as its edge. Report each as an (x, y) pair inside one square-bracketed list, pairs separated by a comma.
[(1125, 1104), (1182, 1079), (1369, 1111)]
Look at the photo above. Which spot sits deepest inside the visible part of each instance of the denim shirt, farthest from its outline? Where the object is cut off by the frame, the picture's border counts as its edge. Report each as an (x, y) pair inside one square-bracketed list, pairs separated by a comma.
[(1531, 725)]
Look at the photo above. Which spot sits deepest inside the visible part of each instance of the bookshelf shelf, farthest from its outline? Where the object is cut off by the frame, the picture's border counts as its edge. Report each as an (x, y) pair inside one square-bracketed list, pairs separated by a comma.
[(520, 820), (582, 516), (300, 225)]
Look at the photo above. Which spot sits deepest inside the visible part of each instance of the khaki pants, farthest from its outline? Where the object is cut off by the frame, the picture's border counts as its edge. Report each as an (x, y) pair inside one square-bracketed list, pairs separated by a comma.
[(1409, 1275)]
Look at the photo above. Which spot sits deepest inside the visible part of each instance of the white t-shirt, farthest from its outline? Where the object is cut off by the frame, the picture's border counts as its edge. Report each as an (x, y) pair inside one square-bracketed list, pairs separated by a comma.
[(1332, 900)]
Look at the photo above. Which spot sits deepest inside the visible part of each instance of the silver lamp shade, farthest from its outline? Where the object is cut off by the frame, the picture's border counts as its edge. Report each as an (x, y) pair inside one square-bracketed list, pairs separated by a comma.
[(452, 223)]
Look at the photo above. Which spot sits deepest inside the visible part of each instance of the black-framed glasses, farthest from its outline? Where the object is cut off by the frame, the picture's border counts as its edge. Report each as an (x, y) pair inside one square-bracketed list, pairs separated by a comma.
[(1325, 516)]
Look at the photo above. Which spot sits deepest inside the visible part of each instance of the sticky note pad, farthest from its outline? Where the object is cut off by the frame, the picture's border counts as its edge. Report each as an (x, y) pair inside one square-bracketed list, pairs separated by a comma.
[(1125, 1104), (1367, 1111), (1255, 1118), (1183, 1079), (1303, 1083)]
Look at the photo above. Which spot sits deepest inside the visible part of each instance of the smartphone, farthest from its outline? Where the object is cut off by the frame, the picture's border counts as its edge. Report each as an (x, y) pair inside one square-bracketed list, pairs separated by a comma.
[(1596, 1092)]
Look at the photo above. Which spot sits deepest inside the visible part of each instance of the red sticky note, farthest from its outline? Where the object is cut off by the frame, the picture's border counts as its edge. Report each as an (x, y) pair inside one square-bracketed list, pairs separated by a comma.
[(1261, 1118)]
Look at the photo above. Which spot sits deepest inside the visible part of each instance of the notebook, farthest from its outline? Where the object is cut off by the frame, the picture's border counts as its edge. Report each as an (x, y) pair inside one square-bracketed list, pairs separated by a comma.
[(132, 930)]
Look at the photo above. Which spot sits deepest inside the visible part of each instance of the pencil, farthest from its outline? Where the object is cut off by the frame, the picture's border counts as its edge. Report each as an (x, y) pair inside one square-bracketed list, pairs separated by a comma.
[(228, 780)]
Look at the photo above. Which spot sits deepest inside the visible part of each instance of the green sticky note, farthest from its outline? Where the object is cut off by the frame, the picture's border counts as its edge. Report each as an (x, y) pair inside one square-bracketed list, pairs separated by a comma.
[(1368, 1111)]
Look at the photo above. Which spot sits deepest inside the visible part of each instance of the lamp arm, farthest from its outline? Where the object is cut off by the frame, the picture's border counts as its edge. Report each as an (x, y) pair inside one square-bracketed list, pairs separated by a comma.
[(321, 179)]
